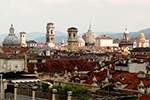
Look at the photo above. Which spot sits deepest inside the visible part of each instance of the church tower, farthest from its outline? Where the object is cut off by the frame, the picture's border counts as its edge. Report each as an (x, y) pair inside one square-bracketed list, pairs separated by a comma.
[(23, 39), (72, 39), (126, 35), (50, 35)]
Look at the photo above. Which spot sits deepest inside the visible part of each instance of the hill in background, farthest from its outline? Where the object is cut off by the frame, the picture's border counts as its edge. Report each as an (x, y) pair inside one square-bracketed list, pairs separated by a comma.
[(40, 37)]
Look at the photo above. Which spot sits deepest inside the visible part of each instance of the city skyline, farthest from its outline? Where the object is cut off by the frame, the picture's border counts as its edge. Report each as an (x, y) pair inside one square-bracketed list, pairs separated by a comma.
[(104, 15)]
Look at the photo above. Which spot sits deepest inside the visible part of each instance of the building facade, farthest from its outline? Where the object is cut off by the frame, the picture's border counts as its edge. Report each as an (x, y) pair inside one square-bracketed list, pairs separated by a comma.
[(104, 41), (81, 42), (72, 39), (31, 44), (50, 35), (12, 64)]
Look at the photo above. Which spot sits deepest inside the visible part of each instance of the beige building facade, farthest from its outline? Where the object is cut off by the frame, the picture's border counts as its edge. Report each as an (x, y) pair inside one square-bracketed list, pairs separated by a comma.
[(104, 41), (12, 64)]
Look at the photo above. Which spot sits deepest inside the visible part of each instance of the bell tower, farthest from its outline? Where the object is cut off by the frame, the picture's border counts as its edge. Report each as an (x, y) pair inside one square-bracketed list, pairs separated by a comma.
[(23, 39), (126, 35), (50, 35), (72, 39)]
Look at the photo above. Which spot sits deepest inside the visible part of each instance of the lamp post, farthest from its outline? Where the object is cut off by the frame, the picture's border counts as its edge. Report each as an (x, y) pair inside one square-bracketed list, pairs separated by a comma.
[(33, 92), (53, 94), (1, 86), (108, 80), (15, 91)]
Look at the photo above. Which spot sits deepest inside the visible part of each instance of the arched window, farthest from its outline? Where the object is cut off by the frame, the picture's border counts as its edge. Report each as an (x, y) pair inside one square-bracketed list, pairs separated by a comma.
[(51, 38), (69, 35), (51, 31), (74, 35)]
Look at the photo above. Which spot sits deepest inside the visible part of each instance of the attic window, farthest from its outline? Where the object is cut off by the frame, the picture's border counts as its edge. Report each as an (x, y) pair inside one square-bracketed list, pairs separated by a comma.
[(103, 83), (119, 86)]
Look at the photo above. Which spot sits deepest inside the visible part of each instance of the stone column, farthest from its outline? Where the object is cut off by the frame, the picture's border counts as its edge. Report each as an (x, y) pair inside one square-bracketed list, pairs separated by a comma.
[(33, 92), (69, 95), (15, 91), (53, 94)]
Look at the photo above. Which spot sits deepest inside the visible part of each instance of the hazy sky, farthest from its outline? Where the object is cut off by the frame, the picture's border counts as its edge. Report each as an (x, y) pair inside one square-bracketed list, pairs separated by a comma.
[(105, 15)]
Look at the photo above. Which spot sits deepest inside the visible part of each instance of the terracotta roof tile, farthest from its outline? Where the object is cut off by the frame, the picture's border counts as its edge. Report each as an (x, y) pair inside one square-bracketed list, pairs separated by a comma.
[(103, 37)]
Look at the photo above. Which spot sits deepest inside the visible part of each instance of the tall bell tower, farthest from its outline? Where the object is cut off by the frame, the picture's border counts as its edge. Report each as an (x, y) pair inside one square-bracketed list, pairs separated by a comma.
[(50, 35), (126, 35), (72, 39), (23, 39)]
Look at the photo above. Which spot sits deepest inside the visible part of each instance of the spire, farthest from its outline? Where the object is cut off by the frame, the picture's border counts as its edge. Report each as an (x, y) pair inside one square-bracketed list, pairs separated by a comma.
[(90, 26)]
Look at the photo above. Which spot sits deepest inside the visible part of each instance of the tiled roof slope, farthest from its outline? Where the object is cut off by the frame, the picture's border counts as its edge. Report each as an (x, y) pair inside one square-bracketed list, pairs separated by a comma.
[(62, 65)]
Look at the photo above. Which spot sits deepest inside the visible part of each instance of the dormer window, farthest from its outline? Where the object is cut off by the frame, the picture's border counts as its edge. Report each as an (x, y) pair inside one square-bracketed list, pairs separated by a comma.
[(118, 86), (103, 83)]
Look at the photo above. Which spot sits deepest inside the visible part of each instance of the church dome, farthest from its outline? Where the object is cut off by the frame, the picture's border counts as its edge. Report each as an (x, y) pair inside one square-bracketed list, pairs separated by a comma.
[(80, 40), (142, 35), (11, 39), (89, 37)]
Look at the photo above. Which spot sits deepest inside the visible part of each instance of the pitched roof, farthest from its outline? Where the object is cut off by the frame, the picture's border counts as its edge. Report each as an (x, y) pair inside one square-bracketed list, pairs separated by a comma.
[(144, 97), (103, 37), (59, 65), (21, 50), (31, 41), (126, 42)]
